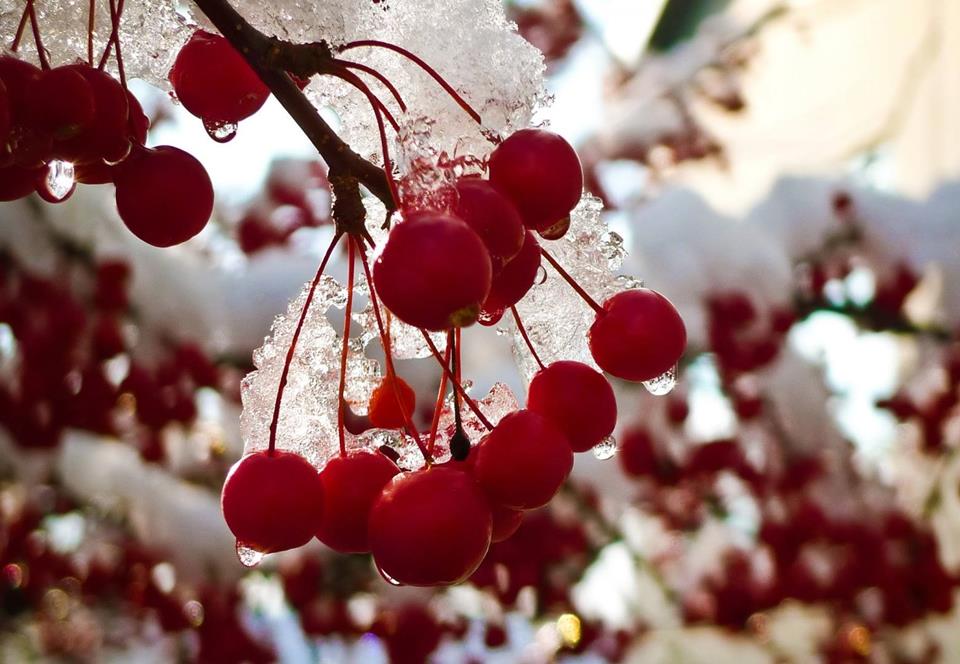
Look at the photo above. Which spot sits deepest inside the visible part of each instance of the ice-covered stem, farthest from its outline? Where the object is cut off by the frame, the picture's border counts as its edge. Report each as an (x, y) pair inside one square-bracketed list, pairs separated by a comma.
[(346, 346), (272, 58), (526, 339), (293, 343), (377, 75), (573, 282), (456, 383)]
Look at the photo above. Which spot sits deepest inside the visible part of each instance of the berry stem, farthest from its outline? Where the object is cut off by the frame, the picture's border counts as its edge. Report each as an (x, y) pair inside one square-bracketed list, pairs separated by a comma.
[(441, 393), (293, 344), (15, 44), (423, 65), (455, 358), (354, 80), (526, 339), (385, 342), (456, 384), (91, 18), (573, 283), (343, 353), (377, 75), (35, 26)]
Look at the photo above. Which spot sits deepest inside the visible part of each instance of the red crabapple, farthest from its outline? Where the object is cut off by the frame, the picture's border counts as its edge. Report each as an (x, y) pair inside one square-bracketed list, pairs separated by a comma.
[(515, 279), (386, 410), (164, 195), (493, 217), (576, 398), (351, 484), (61, 102), (430, 527), (638, 336), (541, 173), (272, 502), (434, 272), (522, 463), (505, 522)]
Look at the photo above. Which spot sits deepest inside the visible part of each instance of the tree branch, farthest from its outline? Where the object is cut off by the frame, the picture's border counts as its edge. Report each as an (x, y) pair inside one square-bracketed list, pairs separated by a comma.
[(272, 59)]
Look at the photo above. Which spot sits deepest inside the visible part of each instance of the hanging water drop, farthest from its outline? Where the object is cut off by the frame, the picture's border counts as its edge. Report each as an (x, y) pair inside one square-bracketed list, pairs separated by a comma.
[(386, 577), (663, 383), (248, 556), (605, 449), (221, 132), (58, 182), (489, 318)]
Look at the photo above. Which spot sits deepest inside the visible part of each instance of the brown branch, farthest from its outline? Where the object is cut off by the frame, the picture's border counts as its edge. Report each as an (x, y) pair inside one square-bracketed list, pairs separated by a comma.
[(272, 59)]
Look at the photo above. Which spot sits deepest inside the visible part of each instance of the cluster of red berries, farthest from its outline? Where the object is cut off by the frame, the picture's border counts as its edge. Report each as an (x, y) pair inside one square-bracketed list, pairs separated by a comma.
[(76, 123)]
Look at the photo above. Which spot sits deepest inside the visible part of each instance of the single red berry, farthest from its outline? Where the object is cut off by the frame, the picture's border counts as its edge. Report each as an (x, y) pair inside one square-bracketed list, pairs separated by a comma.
[(430, 527), (213, 81), (493, 217), (272, 502), (505, 522), (576, 398), (61, 102), (434, 272), (18, 77), (351, 485), (540, 172), (523, 461), (638, 336), (392, 403), (164, 195), (107, 137), (515, 279)]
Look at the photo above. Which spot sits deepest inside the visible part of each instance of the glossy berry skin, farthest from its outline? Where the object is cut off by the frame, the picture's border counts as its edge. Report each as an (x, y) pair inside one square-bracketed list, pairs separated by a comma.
[(576, 398), (516, 277), (213, 81), (638, 336), (493, 217), (4, 116), (272, 503), (351, 484), (164, 195), (434, 272), (107, 137), (61, 102), (386, 410), (522, 463), (505, 523), (430, 527), (17, 182), (541, 173)]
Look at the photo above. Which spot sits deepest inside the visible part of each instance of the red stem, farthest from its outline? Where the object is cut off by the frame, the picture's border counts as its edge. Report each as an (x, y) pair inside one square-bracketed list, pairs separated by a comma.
[(91, 14), (116, 10), (526, 339), (358, 83), (456, 384), (41, 52), (293, 344), (573, 284), (441, 393), (385, 341), (346, 346), (15, 44), (377, 75), (423, 65), (114, 37)]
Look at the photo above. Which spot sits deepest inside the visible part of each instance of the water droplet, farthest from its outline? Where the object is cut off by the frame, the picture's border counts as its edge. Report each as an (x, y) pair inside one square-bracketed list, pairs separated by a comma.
[(663, 383), (221, 132), (605, 449), (248, 556), (489, 318), (59, 182), (386, 577)]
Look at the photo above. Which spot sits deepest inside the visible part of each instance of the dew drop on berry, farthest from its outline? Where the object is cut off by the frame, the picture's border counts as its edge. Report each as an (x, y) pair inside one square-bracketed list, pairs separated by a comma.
[(490, 318), (248, 556), (386, 577), (663, 383), (221, 132), (59, 181), (605, 449)]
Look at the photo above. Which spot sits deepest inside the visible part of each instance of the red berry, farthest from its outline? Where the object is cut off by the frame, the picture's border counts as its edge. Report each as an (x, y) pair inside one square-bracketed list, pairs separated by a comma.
[(523, 461), (540, 172), (515, 279), (61, 102), (17, 182), (5, 120), (18, 77), (351, 484), (213, 81), (430, 527), (392, 403), (434, 272), (164, 195), (576, 398), (638, 336), (505, 522), (493, 217), (107, 137), (272, 502)]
